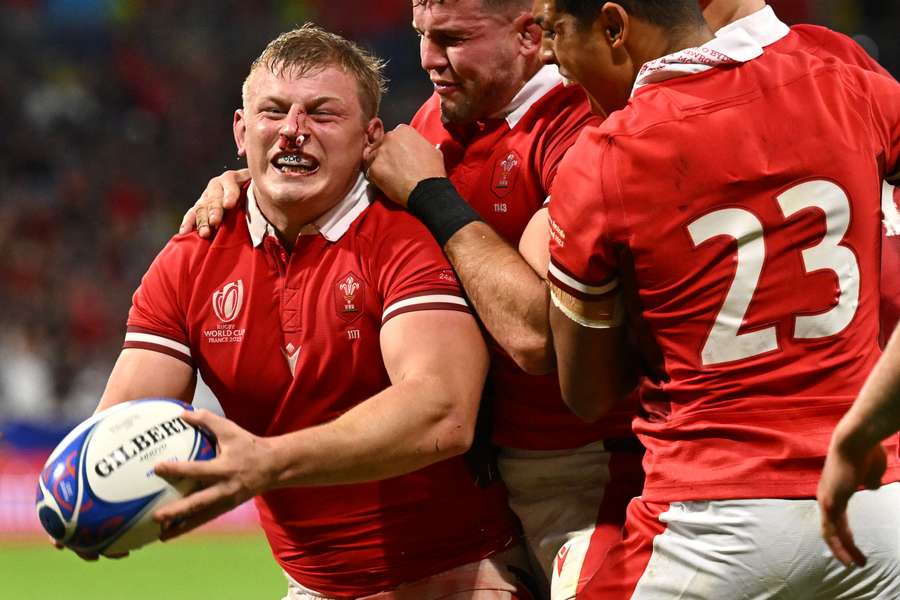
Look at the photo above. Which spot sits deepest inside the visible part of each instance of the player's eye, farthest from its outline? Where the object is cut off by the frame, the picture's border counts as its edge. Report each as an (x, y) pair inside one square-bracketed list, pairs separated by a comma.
[(447, 40)]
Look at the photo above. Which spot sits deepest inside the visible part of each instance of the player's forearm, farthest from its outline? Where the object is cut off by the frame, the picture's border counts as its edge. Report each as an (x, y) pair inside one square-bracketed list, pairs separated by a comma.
[(406, 427), (509, 297), (592, 375), (876, 413)]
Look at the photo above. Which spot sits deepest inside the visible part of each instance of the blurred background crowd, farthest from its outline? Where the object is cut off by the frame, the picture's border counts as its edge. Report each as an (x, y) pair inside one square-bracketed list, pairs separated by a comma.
[(118, 112)]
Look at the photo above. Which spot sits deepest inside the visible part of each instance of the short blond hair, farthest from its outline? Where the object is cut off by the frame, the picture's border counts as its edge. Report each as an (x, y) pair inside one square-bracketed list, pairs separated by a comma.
[(310, 49)]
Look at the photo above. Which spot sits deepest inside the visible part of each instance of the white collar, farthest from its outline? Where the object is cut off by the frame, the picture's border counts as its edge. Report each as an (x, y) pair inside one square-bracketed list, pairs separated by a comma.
[(543, 81), (764, 27), (731, 47), (332, 225)]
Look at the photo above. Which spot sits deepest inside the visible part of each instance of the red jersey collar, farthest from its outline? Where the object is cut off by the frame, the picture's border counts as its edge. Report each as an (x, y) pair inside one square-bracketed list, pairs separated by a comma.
[(332, 225), (731, 47), (764, 27)]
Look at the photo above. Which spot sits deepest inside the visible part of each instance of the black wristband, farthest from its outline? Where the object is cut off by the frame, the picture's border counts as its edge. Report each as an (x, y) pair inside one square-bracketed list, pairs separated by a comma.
[(441, 209)]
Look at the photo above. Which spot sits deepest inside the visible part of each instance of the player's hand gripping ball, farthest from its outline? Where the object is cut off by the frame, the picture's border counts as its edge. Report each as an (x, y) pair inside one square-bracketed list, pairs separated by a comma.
[(97, 491)]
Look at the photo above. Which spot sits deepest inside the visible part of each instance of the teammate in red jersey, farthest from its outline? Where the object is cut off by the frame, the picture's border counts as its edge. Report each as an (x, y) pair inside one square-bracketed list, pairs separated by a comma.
[(503, 162), (855, 455), (758, 19), (502, 123), (754, 252), (334, 334)]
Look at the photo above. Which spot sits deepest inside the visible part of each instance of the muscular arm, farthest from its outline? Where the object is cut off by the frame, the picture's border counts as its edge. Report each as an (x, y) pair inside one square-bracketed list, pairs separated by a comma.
[(437, 363), (145, 374), (589, 359), (509, 296)]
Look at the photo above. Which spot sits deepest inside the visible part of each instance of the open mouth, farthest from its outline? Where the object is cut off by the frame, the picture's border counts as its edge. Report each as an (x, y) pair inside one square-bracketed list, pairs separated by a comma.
[(296, 164)]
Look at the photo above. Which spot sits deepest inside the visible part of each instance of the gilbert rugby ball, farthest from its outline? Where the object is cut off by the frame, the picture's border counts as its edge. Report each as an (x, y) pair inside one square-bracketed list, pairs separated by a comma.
[(97, 492)]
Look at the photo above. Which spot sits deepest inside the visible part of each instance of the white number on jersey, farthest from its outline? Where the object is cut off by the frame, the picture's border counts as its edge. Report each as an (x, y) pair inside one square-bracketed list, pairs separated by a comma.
[(724, 343)]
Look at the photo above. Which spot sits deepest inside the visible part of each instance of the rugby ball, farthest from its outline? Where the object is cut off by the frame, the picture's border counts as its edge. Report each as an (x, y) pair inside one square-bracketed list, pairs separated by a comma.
[(98, 491)]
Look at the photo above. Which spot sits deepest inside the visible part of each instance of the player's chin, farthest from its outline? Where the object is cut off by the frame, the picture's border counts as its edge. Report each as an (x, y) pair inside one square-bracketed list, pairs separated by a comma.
[(294, 189), (456, 110)]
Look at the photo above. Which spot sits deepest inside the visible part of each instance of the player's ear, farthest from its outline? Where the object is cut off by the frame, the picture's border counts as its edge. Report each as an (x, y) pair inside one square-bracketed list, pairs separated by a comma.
[(374, 133), (528, 32), (614, 22), (239, 127)]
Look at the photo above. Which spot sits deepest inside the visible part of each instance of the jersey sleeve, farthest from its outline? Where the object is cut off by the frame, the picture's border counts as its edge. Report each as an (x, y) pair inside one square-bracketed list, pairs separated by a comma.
[(562, 133), (583, 261), (412, 273), (157, 319)]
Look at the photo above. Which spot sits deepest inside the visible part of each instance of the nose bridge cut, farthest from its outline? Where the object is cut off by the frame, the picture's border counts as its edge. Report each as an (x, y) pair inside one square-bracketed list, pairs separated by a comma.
[(294, 129)]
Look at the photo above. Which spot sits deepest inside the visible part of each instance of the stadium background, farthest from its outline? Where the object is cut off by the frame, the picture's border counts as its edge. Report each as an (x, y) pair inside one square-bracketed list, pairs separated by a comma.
[(116, 113)]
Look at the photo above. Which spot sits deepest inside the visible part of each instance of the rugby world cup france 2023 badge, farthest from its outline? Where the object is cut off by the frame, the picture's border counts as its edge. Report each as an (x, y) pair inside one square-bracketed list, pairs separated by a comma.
[(98, 490), (226, 305)]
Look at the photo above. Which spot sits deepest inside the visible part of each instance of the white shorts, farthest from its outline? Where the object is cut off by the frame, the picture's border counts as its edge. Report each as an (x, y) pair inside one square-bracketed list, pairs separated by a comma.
[(569, 512), (487, 579), (750, 550)]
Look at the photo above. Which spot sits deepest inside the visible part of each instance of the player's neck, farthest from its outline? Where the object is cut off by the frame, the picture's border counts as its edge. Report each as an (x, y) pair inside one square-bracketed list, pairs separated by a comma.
[(665, 42), (530, 69), (721, 13), (290, 218)]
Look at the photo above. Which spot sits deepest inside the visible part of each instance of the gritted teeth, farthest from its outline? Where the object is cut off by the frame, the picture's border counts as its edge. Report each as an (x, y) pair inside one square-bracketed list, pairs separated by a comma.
[(301, 161)]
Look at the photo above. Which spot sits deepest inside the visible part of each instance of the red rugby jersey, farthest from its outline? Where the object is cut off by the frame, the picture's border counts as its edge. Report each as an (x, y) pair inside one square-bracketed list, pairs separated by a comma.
[(748, 199), (769, 32), (287, 341), (504, 168)]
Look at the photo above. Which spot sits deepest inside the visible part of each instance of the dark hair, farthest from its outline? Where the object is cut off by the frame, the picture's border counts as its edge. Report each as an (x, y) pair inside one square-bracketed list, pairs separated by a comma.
[(310, 48), (665, 13)]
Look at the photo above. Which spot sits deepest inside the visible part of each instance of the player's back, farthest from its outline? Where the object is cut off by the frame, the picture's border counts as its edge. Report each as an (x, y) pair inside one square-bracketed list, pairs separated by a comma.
[(748, 198)]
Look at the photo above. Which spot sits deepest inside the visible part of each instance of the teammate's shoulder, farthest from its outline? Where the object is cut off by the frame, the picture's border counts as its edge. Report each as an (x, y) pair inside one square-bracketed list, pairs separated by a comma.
[(562, 103), (428, 114)]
